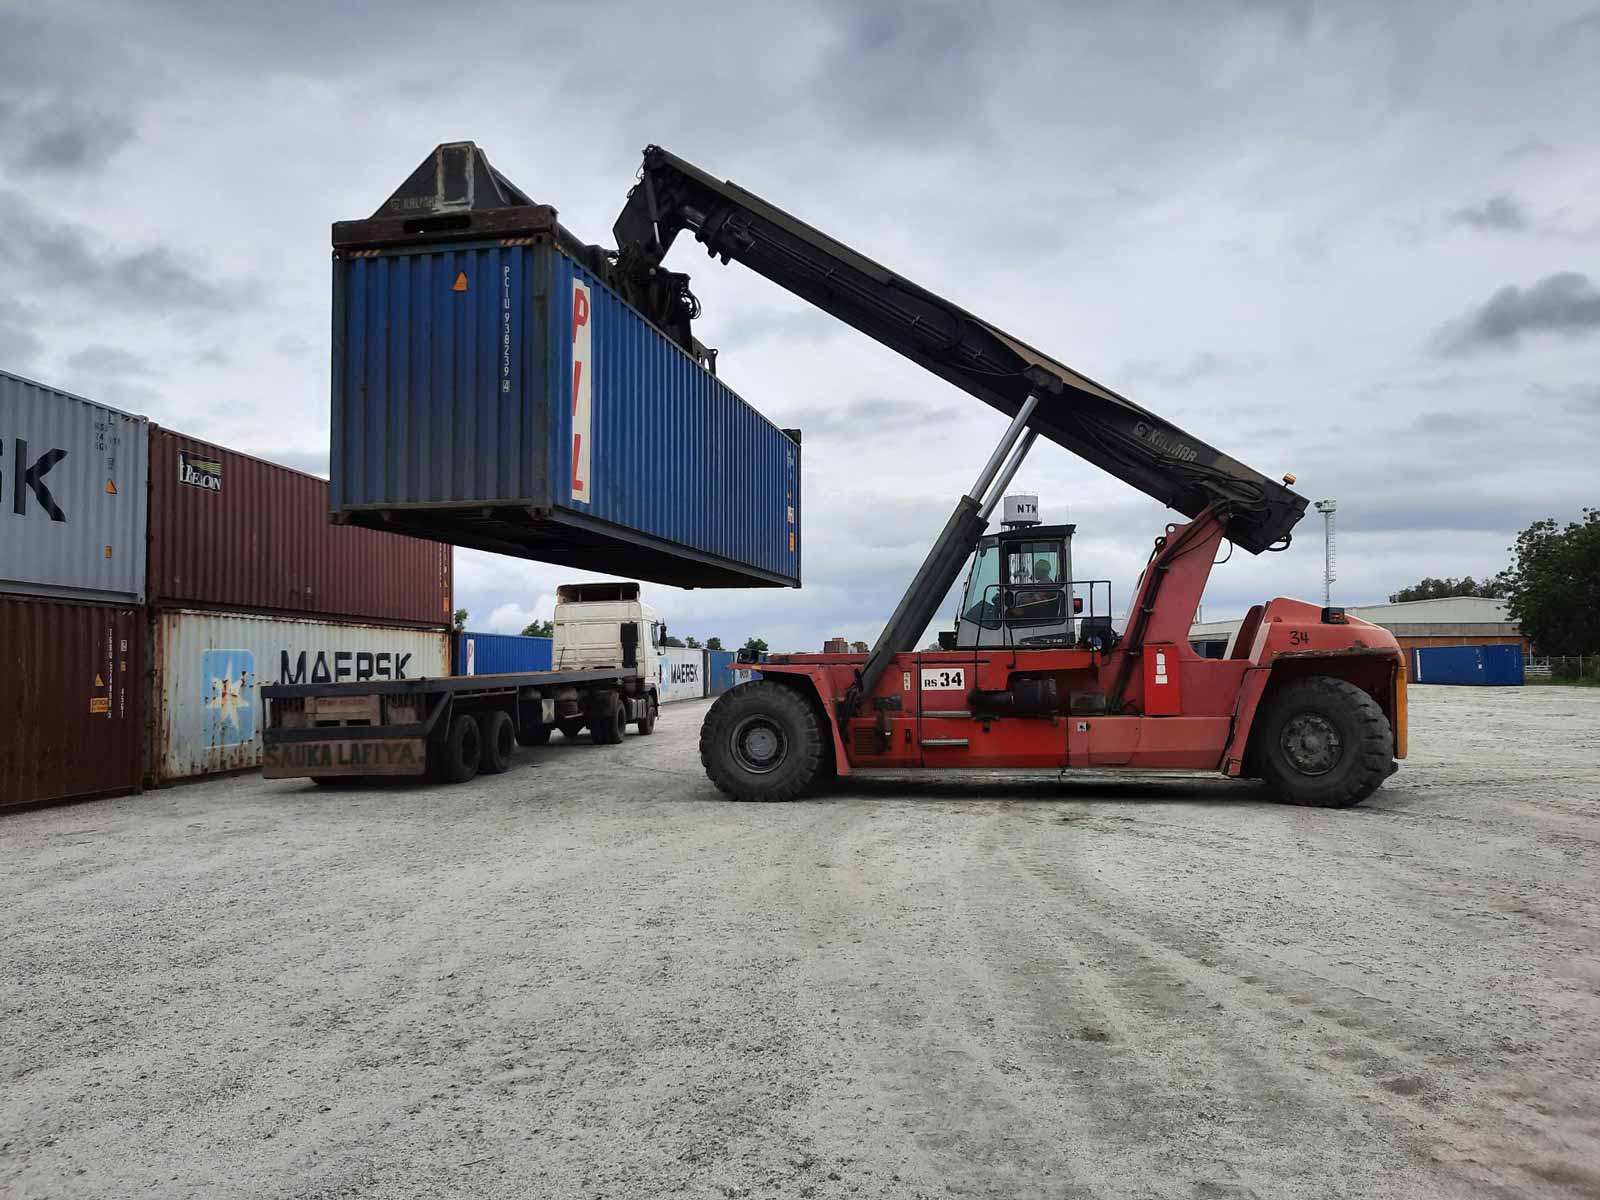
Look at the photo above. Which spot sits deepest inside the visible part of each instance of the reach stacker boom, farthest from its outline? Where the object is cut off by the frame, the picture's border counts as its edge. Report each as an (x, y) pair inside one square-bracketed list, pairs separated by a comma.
[(1034, 675)]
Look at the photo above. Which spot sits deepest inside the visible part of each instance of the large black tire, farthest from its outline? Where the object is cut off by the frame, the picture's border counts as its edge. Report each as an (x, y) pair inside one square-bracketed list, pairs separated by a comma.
[(456, 759), (762, 741), (647, 723), (610, 725), (1324, 742), (499, 741), (534, 735), (570, 729)]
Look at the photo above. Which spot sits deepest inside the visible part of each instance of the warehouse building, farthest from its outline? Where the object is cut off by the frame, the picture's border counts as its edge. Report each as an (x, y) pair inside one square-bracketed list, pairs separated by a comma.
[(1452, 621)]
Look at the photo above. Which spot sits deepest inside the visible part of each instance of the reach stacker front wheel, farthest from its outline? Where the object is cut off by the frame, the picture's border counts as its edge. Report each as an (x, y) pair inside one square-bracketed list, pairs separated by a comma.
[(761, 741), (1324, 742)]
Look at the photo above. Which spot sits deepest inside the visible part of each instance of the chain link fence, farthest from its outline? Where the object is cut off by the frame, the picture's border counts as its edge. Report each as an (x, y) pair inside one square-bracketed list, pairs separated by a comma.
[(1575, 666)]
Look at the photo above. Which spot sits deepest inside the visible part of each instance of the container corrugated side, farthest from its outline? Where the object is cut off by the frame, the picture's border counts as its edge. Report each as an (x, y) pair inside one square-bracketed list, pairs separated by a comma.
[(73, 498), (229, 530), (207, 710), (676, 453), (1491, 665), (501, 653), (719, 671), (71, 708), (501, 397)]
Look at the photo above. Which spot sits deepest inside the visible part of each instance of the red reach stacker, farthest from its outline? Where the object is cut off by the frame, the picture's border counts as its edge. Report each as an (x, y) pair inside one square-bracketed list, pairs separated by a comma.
[(1034, 674)]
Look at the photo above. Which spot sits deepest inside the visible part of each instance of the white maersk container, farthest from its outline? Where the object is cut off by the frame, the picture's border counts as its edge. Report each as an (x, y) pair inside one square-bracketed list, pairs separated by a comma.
[(73, 495), (210, 668), (683, 674)]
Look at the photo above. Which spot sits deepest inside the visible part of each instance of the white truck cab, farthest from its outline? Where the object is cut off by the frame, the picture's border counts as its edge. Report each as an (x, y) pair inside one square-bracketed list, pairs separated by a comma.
[(607, 625)]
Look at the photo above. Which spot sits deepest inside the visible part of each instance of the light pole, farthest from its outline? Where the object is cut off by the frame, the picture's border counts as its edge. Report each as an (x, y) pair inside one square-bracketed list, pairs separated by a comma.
[(1329, 560)]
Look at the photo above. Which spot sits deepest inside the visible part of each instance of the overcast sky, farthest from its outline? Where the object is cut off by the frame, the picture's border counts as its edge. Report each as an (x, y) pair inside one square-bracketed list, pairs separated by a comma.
[(1359, 243)]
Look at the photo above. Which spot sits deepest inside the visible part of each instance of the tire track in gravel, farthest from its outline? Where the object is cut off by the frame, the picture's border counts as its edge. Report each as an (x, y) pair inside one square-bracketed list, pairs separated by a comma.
[(1425, 1071)]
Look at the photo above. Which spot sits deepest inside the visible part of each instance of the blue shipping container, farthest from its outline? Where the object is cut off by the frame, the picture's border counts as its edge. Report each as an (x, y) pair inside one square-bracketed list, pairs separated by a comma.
[(1499, 665), (719, 671), (496, 394), (501, 654)]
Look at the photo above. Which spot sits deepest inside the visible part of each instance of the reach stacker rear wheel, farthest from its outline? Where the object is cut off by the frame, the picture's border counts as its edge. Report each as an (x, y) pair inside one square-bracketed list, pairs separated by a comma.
[(1324, 742), (761, 741)]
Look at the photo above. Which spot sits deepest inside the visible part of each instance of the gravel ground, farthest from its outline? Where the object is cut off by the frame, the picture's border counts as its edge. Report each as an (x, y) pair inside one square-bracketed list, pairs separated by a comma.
[(590, 977)]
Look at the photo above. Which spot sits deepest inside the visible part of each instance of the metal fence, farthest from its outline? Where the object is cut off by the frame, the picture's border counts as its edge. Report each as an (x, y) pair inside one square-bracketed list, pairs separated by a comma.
[(1575, 666)]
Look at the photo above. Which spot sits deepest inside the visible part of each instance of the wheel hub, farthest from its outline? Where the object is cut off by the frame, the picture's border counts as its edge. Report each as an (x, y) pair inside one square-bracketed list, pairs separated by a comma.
[(1311, 743), (759, 744)]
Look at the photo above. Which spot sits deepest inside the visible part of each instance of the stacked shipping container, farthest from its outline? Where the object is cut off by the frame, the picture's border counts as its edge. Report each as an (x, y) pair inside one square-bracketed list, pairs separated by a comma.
[(72, 577), (150, 582), (250, 583)]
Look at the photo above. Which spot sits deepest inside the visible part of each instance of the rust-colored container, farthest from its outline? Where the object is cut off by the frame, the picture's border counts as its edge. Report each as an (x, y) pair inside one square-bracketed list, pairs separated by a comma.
[(71, 706), (234, 532)]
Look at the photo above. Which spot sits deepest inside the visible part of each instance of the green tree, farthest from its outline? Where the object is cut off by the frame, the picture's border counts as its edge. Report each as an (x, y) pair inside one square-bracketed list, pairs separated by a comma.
[(759, 645), (1437, 589), (461, 619), (670, 640), (1554, 585), (713, 643), (542, 629), (692, 642)]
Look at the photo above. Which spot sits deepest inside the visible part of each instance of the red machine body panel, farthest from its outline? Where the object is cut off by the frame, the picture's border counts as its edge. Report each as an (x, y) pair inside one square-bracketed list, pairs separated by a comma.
[(1152, 705)]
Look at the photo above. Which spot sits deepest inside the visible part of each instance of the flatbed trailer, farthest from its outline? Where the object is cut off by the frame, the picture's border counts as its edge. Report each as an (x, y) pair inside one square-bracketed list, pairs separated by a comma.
[(451, 727)]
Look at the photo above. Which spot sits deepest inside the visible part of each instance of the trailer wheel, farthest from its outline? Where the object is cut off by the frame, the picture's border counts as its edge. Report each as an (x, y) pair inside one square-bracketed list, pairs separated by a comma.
[(1324, 742), (570, 729), (534, 735), (456, 759), (499, 741), (761, 741), (610, 726), (647, 723)]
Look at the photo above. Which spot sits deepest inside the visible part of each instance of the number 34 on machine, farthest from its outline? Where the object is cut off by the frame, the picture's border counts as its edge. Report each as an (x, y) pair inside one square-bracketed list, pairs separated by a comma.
[(944, 679)]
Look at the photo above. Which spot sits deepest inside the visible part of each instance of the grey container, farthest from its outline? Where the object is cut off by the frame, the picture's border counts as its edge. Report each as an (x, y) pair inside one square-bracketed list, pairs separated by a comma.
[(74, 499)]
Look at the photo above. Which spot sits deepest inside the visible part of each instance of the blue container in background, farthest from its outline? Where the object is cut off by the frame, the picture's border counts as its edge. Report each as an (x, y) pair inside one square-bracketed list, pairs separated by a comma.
[(501, 654), (496, 394), (1498, 665), (719, 671)]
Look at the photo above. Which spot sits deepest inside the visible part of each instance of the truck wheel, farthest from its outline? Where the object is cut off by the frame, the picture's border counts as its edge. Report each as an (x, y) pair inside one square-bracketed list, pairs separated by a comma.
[(1324, 742), (534, 735), (570, 729), (647, 723), (610, 727), (499, 741), (761, 741), (456, 759)]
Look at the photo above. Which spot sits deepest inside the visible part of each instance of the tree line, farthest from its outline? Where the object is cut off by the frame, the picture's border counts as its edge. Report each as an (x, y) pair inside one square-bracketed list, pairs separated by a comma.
[(1551, 588)]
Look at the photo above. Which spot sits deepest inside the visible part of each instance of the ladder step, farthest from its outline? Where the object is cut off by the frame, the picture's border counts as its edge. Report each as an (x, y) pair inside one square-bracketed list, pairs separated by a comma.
[(945, 742), (948, 714)]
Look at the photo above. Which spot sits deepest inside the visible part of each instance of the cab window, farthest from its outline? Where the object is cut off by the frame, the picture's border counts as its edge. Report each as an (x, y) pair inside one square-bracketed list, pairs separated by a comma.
[(1034, 562), (978, 605)]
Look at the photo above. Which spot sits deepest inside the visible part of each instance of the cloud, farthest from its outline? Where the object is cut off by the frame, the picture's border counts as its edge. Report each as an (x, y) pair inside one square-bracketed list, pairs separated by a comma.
[(44, 255), (509, 618), (108, 360), (18, 342), (1503, 213), (65, 140), (1203, 365), (1567, 303)]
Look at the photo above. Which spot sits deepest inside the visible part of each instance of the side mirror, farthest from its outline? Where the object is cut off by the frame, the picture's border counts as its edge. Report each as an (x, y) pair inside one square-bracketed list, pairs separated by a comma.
[(947, 639)]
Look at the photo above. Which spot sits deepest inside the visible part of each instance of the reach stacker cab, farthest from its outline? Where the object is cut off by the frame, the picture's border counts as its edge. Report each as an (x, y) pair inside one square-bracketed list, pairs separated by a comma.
[(1034, 674)]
